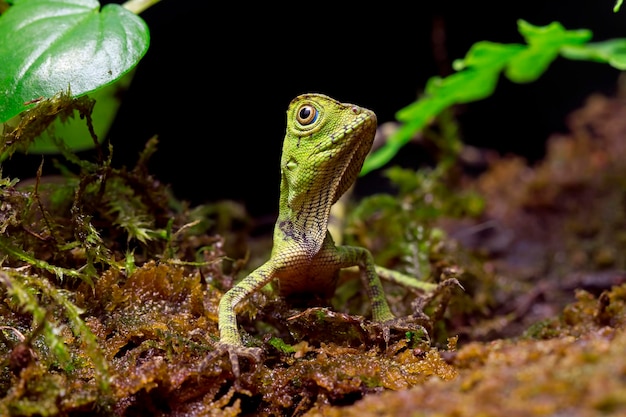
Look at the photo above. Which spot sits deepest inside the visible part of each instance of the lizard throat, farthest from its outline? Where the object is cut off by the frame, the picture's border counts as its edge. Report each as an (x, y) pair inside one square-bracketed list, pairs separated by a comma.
[(303, 217)]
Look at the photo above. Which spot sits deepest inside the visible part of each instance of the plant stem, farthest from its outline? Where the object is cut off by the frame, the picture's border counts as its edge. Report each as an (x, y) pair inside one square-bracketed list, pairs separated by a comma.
[(138, 6)]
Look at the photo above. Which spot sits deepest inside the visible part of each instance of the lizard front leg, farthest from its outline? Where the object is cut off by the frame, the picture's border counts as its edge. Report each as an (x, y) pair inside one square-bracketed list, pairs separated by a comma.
[(354, 255), (381, 313), (230, 339)]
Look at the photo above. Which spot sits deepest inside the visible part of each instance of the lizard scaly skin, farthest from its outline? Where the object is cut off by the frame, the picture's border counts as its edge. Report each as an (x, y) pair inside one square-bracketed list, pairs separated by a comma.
[(324, 148)]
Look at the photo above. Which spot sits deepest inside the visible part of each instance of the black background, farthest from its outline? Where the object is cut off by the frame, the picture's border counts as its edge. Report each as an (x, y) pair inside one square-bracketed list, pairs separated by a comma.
[(218, 77)]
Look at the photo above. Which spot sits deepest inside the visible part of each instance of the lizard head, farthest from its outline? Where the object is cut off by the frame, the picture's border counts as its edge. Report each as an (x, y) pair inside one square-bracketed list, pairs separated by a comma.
[(325, 145)]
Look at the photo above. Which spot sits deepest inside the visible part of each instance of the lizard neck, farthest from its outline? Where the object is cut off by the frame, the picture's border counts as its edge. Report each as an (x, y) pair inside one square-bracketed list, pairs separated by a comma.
[(304, 212)]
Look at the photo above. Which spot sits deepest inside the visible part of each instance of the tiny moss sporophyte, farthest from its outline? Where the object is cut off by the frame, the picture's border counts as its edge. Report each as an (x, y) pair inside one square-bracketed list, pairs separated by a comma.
[(324, 148)]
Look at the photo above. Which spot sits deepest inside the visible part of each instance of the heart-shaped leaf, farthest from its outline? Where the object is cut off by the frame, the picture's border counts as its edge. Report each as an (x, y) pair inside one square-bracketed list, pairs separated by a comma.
[(48, 46)]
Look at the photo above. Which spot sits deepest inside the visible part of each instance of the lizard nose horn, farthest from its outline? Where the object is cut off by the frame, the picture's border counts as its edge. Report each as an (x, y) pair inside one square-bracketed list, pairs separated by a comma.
[(358, 110)]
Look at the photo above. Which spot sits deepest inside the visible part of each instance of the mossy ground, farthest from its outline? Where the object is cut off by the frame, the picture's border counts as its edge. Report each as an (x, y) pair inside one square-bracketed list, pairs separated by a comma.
[(109, 292)]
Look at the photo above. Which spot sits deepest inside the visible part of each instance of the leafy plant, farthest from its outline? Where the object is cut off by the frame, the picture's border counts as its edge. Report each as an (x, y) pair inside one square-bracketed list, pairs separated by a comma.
[(477, 75), (49, 47), (423, 197), (53, 53)]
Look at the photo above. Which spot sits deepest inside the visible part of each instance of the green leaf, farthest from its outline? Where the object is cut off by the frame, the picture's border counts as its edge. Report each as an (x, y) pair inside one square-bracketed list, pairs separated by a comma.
[(488, 54), (544, 45), (385, 153), (466, 86), (553, 34), (441, 93), (48, 46), (423, 110), (476, 79), (612, 51), (74, 132), (528, 65), (478, 73)]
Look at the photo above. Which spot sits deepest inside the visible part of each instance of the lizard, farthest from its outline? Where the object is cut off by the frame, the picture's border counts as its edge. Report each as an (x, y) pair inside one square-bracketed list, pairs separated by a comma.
[(324, 148)]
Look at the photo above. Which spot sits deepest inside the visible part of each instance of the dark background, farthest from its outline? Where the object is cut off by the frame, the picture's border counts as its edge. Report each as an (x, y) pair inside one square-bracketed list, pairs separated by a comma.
[(218, 77)]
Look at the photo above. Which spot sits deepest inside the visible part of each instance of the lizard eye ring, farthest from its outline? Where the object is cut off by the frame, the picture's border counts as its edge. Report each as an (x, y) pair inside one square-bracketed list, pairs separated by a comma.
[(306, 115)]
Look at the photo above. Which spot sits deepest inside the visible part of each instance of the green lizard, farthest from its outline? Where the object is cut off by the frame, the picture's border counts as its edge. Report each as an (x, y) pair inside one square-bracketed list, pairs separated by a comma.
[(324, 148)]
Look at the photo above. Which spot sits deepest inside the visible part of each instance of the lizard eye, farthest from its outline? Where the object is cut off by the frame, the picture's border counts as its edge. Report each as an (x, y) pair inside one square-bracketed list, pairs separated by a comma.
[(307, 115)]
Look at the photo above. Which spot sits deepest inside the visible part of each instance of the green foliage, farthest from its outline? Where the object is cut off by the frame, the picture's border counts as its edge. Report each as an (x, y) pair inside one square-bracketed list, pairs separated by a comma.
[(58, 239), (35, 121), (280, 345), (74, 46), (477, 75), (46, 47), (7, 248), (423, 197), (65, 216), (612, 52), (30, 293), (129, 212)]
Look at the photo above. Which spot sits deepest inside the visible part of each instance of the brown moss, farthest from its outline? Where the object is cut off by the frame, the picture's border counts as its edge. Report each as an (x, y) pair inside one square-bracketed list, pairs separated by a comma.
[(579, 375)]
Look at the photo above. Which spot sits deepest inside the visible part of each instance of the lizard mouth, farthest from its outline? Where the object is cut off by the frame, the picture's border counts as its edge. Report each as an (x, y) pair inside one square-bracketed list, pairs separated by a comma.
[(359, 136)]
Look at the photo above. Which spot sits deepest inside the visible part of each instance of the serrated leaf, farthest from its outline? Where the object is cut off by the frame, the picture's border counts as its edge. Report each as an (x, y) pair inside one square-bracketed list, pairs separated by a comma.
[(612, 51), (468, 85), (385, 153), (477, 75), (48, 46), (423, 109), (545, 43), (528, 65), (553, 34), (488, 54), (440, 93)]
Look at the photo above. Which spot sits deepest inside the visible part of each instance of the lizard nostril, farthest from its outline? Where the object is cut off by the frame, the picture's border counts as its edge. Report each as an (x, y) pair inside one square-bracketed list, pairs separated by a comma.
[(356, 109)]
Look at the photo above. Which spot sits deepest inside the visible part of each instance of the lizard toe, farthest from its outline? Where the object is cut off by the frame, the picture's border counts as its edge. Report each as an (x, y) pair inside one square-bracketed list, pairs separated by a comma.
[(414, 325), (253, 354)]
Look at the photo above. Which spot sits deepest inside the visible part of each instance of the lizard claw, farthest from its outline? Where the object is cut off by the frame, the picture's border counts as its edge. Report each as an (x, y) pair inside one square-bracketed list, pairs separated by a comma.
[(253, 354), (449, 283), (419, 323), (234, 352), (405, 325)]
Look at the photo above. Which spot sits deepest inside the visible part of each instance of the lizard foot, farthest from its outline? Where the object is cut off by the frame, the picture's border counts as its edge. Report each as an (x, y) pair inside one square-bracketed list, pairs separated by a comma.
[(449, 284), (253, 354), (443, 292), (414, 324), (419, 324)]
